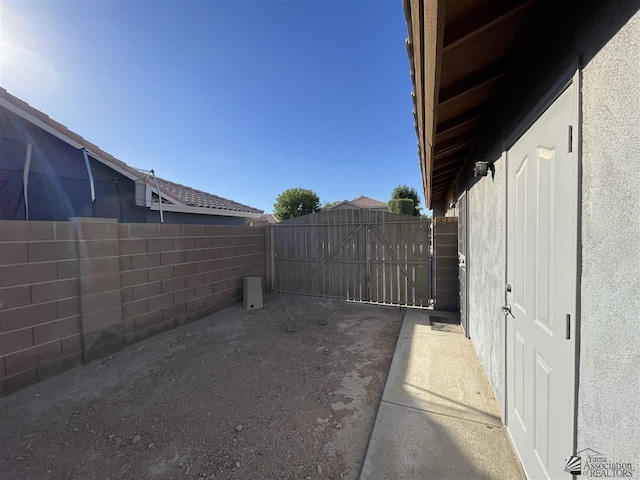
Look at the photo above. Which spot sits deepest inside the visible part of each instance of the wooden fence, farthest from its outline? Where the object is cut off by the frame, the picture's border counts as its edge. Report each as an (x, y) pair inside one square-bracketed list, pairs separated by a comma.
[(360, 255)]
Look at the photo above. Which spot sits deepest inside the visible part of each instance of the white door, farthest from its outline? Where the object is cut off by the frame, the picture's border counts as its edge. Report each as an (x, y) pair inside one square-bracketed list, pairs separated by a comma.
[(542, 192)]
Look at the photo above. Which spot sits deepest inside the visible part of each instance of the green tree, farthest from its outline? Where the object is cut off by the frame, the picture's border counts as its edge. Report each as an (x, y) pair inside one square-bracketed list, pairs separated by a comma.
[(404, 191), (296, 202), (403, 206)]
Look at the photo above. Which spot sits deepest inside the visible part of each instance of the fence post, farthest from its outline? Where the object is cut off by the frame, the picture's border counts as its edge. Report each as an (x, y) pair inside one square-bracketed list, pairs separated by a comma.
[(99, 282)]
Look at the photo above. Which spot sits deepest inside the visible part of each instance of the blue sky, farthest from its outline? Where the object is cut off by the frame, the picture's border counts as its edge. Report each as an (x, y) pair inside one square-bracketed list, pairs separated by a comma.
[(242, 99)]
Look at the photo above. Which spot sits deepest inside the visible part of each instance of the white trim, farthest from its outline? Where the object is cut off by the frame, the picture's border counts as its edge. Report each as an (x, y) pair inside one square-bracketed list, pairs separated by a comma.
[(25, 180), (91, 184), (205, 211)]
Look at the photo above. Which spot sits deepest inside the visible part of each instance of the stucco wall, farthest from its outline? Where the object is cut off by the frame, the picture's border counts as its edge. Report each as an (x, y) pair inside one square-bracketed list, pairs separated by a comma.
[(485, 274), (609, 391), (604, 36)]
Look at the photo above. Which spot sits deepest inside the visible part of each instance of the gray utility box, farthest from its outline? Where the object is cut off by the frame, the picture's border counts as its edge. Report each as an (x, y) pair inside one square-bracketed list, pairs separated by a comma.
[(252, 296)]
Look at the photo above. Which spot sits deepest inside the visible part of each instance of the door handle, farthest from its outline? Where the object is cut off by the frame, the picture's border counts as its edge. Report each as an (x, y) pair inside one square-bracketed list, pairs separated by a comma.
[(506, 309)]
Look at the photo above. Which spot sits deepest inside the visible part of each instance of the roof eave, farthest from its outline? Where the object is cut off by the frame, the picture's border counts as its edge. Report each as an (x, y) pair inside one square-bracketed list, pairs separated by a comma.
[(425, 27), (205, 211)]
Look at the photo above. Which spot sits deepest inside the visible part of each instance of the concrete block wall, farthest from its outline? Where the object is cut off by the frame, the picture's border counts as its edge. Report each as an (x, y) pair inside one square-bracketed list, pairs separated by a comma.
[(74, 291), (445, 257)]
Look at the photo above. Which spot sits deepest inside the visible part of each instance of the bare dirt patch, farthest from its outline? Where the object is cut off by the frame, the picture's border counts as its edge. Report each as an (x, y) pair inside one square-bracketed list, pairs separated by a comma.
[(234, 395)]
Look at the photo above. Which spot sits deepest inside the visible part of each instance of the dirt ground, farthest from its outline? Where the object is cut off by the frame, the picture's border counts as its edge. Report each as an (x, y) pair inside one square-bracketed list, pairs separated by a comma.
[(234, 395)]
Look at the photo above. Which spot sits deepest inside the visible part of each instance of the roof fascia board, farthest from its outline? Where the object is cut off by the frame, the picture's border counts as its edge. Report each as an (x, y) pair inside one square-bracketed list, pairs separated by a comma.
[(204, 211)]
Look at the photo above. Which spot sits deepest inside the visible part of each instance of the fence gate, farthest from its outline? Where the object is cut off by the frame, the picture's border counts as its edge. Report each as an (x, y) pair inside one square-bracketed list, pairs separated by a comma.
[(350, 254)]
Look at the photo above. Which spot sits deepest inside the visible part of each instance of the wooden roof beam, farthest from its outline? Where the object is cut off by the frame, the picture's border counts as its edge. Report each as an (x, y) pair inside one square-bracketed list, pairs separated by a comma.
[(442, 165), (474, 81), (466, 117), (476, 23)]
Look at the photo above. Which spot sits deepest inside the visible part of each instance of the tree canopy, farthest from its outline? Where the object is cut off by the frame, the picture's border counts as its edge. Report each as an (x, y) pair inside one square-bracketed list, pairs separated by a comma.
[(404, 191), (296, 202)]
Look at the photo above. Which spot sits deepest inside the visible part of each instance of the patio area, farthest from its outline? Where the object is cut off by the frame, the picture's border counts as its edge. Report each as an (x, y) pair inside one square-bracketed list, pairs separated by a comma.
[(289, 391)]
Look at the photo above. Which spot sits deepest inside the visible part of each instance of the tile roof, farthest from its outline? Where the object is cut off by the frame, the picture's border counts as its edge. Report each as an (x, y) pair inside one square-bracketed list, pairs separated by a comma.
[(368, 202), (187, 195), (197, 198)]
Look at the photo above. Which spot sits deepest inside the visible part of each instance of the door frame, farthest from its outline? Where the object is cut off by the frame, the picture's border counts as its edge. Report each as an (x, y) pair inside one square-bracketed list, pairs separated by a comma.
[(571, 78)]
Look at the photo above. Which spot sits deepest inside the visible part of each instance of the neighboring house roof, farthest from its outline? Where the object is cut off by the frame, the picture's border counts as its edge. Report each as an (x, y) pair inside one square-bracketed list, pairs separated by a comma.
[(368, 202), (197, 198), (185, 199), (362, 202)]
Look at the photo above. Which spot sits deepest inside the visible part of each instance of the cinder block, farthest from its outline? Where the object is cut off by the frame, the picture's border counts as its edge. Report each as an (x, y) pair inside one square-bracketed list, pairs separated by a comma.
[(212, 230), (32, 357), (68, 307), (148, 319), (98, 248), (160, 302), (184, 296), (147, 290), (145, 261), (159, 245), (170, 230), (3, 371), (171, 258), (193, 255), (172, 284), (185, 269), (183, 243), (123, 230), (130, 246), (101, 283), (46, 292), (91, 267), (252, 293), (195, 304), (97, 321), (56, 330), (99, 301), (13, 297), (144, 230), (27, 274), (21, 231), (203, 242), (67, 269), (14, 341), (126, 294), (96, 230), (72, 344), (133, 277), (205, 266), (204, 290), (160, 273), (173, 312), (214, 276), (227, 230), (48, 251), (134, 309), (27, 316), (193, 230), (11, 253), (64, 230), (125, 263), (195, 280)]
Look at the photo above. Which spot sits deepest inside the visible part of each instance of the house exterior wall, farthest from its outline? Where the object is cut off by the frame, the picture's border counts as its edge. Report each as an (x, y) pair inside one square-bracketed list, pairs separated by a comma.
[(59, 186), (74, 291), (605, 37)]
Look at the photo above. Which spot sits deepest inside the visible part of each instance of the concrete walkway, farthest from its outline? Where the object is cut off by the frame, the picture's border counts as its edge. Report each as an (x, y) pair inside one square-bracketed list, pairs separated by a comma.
[(438, 418)]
